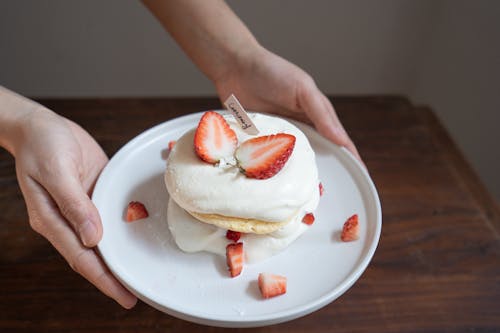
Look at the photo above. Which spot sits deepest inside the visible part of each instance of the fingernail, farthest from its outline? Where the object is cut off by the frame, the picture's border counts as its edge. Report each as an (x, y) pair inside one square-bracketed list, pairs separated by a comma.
[(88, 233), (129, 303)]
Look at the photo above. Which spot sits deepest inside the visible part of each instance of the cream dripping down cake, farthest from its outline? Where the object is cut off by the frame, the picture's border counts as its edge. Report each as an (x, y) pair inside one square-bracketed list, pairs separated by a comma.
[(246, 197)]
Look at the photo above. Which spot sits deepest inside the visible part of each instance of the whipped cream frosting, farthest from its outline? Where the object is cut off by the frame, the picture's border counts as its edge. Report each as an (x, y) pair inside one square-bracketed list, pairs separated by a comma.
[(204, 188)]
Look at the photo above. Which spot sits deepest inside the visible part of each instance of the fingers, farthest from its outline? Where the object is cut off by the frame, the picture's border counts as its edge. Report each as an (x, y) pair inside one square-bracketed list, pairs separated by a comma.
[(85, 262), (345, 137), (322, 114), (75, 206), (45, 219)]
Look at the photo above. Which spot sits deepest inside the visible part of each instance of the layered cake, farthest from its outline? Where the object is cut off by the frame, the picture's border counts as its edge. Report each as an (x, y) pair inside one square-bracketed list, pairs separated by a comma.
[(229, 189)]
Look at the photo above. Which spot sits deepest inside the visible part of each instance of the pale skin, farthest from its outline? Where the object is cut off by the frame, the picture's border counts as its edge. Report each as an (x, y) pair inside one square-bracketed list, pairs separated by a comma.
[(58, 162)]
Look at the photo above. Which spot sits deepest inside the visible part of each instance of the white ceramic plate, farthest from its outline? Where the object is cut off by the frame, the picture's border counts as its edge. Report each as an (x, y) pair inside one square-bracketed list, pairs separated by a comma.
[(197, 287)]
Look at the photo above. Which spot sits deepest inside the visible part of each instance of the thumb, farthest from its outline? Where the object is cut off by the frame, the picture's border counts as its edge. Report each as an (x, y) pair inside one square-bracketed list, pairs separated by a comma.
[(76, 207)]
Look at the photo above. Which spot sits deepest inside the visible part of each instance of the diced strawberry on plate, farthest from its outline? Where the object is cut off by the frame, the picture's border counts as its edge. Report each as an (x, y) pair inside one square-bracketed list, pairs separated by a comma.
[(136, 211), (234, 258), (171, 144), (308, 218), (321, 189), (233, 235), (214, 139), (271, 285), (350, 231), (264, 156)]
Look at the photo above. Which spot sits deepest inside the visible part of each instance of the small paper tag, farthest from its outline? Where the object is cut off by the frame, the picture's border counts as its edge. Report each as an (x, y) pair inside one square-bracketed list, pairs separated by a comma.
[(234, 106)]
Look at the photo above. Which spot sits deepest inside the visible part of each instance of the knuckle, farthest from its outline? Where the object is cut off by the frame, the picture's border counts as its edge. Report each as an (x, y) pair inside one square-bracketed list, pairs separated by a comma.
[(35, 221), (52, 168), (306, 87), (36, 225), (102, 279), (72, 209), (308, 82), (80, 261)]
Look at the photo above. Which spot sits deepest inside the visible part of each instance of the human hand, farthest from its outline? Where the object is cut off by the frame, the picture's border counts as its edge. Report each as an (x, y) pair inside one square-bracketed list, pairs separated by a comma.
[(227, 52), (57, 164), (263, 81)]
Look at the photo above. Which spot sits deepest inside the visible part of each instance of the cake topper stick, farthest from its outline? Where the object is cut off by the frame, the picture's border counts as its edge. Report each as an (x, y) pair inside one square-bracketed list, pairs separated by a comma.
[(234, 106)]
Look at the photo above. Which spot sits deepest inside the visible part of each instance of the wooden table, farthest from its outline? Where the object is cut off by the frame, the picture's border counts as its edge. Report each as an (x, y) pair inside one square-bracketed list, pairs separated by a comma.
[(437, 267)]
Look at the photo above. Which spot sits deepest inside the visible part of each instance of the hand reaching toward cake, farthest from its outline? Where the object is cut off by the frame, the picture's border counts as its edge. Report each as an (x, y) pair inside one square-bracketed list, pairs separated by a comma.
[(268, 83), (229, 55)]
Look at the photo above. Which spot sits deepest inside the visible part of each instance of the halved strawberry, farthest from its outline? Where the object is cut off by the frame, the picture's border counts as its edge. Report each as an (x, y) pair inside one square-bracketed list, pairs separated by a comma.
[(171, 144), (350, 231), (264, 156), (308, 218), (234, 258), (136, 211), (233, 235), (271, 285), (321, 189), (214, 139)]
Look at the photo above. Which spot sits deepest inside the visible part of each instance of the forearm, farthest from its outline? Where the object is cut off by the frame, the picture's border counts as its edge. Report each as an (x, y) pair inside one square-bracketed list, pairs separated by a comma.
[(14, 110), (208, 31)]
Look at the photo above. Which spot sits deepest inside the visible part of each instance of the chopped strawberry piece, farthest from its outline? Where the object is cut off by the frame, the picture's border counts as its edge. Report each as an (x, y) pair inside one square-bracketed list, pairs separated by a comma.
[(136, 211), (321, 189), (350, 231), (234, 258), (308, 218), (233, 235), (171, 144), (264, 156), (271, 285), (214, 139)]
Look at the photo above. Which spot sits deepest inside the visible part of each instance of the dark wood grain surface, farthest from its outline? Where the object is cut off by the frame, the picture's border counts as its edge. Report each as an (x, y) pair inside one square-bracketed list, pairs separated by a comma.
[(437, 267)]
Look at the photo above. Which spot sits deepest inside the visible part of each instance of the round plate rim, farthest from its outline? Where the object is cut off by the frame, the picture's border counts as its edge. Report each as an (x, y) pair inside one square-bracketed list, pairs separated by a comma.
[(249, 320)]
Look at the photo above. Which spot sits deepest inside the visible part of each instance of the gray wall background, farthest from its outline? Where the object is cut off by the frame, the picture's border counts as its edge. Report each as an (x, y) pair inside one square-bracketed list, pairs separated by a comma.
[(443, 53)]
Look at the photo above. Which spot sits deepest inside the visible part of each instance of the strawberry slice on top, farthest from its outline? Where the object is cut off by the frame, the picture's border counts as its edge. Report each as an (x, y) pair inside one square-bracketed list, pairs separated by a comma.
[(214, 139), (264, 156)]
